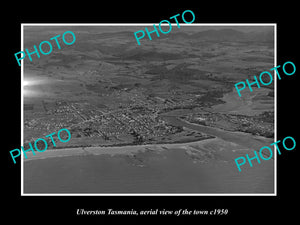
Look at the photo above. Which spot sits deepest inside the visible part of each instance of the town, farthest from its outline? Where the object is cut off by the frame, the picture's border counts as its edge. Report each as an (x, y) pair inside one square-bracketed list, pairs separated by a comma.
[(137, 123)]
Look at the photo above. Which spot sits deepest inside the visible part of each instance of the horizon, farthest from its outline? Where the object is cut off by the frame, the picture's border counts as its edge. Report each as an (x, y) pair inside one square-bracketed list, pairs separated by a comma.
[(191, 28)]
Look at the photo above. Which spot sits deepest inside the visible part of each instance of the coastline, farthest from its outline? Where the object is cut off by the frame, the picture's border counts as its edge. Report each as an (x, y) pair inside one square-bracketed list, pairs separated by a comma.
[(237, 138), (110, 150)]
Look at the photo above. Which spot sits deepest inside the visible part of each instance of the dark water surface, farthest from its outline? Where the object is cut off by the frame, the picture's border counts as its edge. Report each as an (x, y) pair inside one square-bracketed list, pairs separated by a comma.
[(169, 171), (203, 168)]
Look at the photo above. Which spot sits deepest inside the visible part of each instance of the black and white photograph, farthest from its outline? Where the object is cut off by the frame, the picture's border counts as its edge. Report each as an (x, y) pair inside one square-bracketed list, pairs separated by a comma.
[(162, 117), (149, 113)]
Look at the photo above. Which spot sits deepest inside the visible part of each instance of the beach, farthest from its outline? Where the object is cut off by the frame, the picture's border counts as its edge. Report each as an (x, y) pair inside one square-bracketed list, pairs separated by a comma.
[(112, 150), (205, 166)]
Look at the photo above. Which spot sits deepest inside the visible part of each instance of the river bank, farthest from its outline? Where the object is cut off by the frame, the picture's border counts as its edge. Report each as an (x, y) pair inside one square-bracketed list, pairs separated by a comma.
[(205, 166), (239, 139), (244, 139)]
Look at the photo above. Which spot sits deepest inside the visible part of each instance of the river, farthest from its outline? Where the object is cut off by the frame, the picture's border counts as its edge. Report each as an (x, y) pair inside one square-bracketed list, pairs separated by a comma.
[(205, 167), (243, 139)]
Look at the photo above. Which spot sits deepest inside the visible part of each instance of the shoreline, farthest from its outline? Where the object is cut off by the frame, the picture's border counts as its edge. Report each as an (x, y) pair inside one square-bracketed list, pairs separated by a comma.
[(109, 150)]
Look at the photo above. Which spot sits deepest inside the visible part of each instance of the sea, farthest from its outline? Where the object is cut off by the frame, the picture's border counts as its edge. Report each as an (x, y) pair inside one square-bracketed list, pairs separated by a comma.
[(170, 171)]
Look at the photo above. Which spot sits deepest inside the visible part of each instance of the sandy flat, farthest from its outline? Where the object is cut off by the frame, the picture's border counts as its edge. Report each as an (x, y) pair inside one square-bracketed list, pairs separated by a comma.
[(114, 150)]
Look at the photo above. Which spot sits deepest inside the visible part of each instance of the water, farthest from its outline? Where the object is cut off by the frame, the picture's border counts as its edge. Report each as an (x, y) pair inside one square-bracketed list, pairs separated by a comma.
[(168, 171), (204, 167)]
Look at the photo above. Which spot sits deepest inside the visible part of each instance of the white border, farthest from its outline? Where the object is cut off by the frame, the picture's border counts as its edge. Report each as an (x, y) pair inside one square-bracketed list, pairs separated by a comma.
[(152, 194), (22, 111)]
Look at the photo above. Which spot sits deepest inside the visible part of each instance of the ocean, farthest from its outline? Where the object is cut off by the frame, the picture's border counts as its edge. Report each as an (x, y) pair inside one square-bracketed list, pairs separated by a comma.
[(171, 171)]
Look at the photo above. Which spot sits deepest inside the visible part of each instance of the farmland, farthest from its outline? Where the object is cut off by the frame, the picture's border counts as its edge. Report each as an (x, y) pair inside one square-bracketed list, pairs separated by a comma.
[(114, 92)]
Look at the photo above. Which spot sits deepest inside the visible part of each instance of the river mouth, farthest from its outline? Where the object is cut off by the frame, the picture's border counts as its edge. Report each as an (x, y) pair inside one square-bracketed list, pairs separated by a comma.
[(241, 138), (201, 167), (117, 75)]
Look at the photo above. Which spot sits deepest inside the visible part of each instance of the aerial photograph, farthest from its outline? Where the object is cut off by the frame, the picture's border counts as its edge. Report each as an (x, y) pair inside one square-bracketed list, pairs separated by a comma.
[(162, 117)]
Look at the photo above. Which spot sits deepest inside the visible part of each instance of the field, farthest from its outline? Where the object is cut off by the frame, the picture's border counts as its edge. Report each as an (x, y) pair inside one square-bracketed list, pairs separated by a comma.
[(109, 91), (160, 117)]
